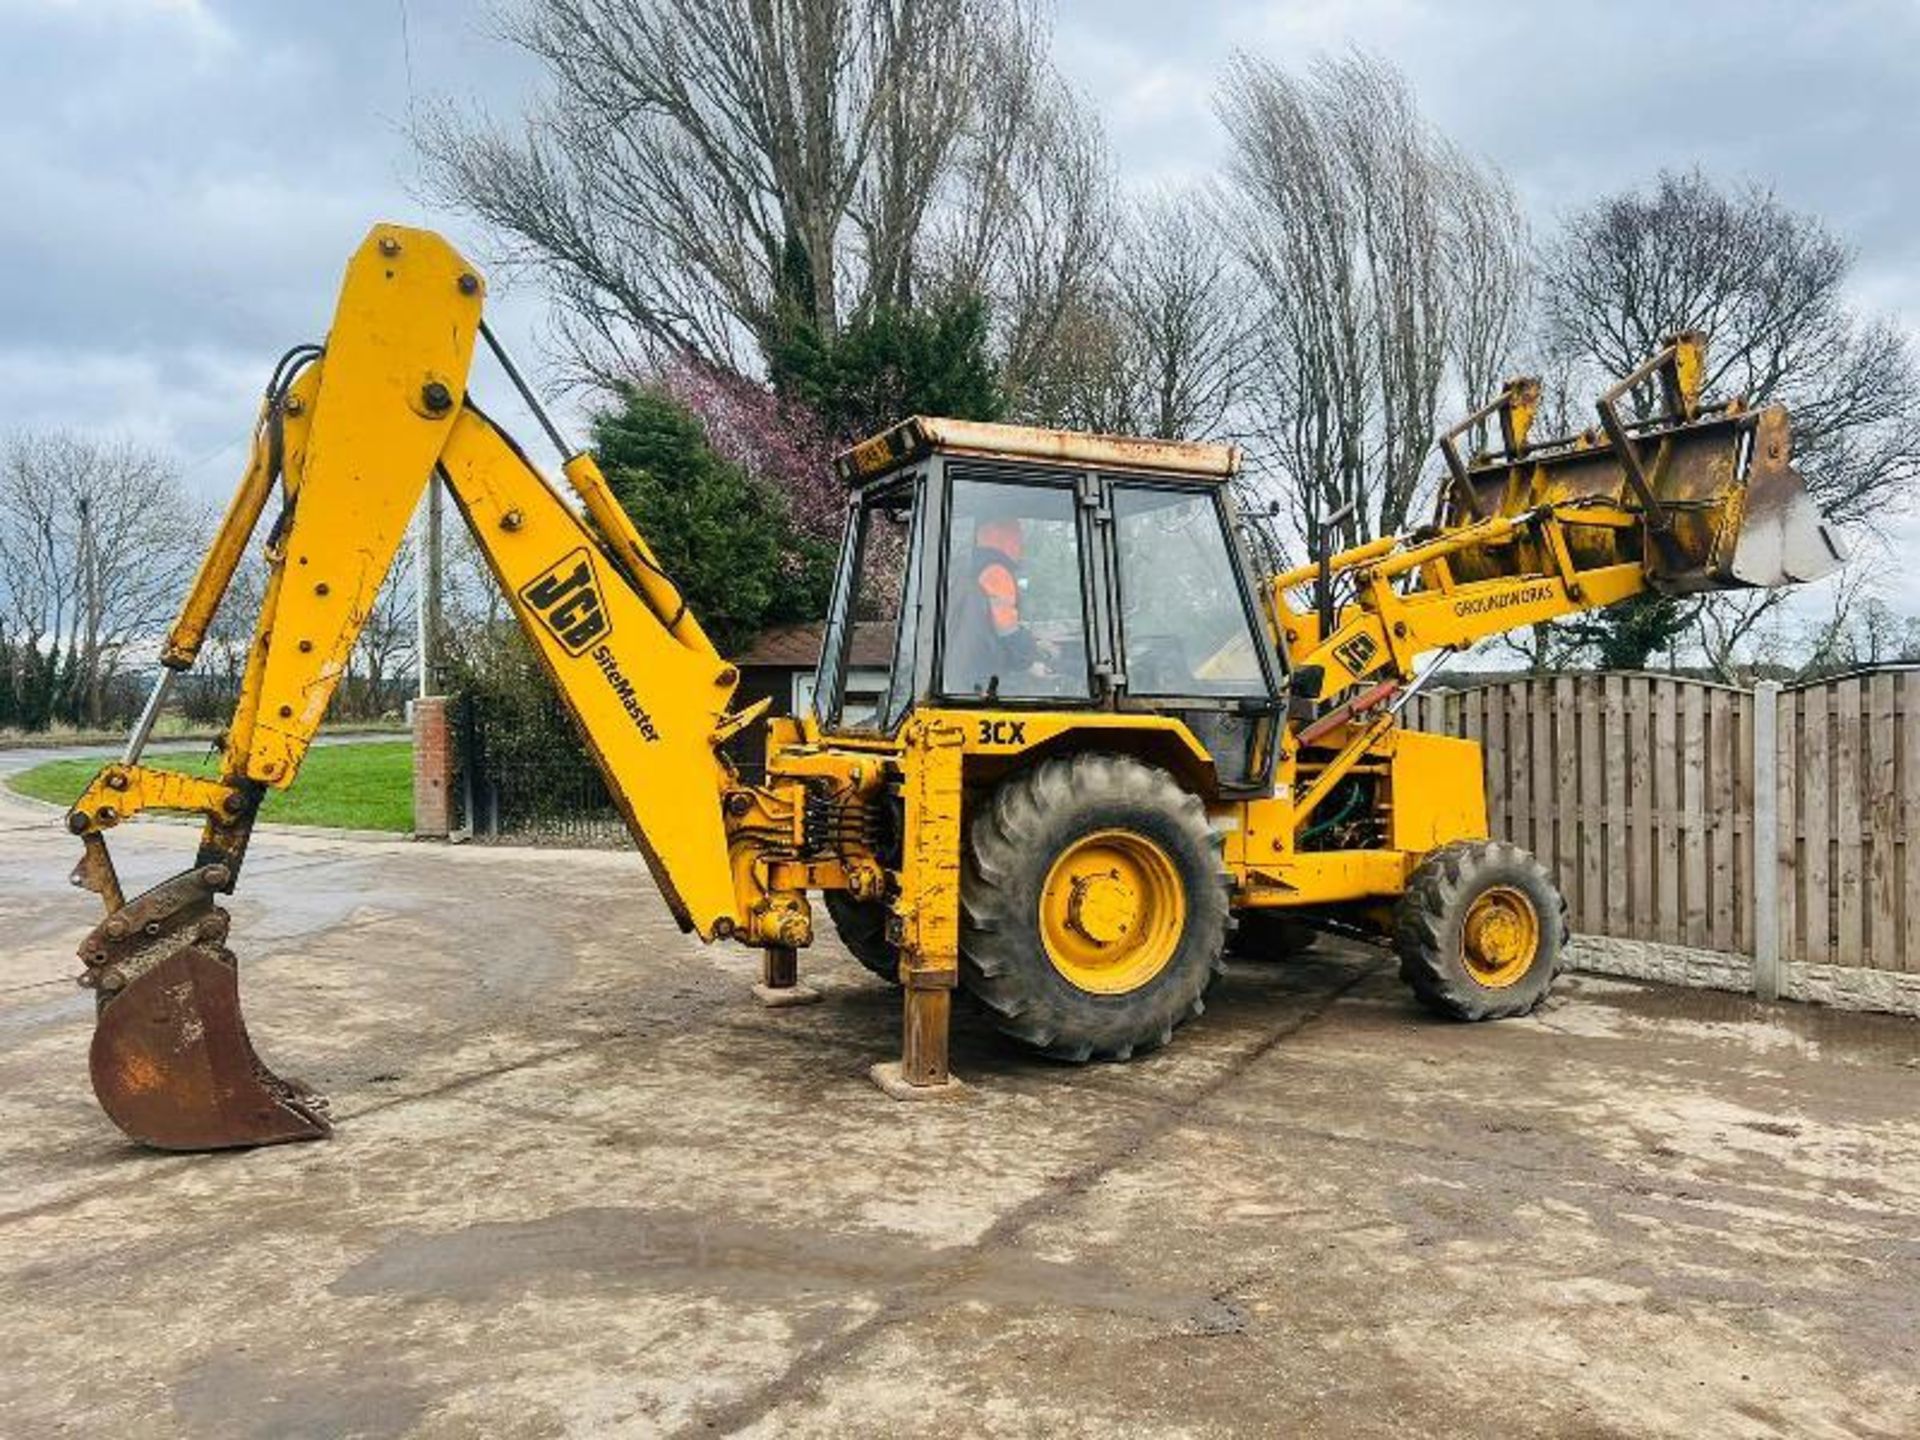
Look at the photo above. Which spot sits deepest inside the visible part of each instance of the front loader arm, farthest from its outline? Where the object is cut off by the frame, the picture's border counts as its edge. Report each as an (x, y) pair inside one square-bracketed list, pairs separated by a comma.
[(1389, 625), (351, 437), (1691, 498)]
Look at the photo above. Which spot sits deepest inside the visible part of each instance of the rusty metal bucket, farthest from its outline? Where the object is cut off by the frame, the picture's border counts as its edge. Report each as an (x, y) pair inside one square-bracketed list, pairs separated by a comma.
[(1703, 497), (172, 1063)]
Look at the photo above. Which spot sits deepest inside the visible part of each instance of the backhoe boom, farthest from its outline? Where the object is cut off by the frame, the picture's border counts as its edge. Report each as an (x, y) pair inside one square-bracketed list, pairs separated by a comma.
[(352, 436)]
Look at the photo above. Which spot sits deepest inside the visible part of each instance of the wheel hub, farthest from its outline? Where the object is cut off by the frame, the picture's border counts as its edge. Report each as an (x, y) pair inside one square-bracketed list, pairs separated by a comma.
[(1103, 908), (1500, 937), (1112, 910)]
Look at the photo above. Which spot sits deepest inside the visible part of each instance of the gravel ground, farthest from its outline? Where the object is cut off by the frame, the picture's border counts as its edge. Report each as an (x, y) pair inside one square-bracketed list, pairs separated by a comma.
[(582, 1184)]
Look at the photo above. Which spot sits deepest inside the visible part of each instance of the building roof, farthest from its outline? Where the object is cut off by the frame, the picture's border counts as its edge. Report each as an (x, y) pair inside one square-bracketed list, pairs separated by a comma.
[(923, 434), (797, 647)]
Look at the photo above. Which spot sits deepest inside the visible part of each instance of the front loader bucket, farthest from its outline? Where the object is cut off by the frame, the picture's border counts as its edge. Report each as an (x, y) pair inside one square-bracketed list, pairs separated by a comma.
[(1782, 538), (1701, 497), (171, 1061)]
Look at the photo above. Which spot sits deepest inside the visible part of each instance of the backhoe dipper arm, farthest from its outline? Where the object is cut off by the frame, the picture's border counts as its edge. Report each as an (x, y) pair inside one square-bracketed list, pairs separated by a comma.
[(352, 437)]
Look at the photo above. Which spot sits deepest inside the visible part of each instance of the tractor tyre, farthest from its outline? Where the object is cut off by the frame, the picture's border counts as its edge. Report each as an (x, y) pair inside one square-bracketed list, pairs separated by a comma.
[(1093, 907), (1480, 931), (862, 926), (1270, 935)]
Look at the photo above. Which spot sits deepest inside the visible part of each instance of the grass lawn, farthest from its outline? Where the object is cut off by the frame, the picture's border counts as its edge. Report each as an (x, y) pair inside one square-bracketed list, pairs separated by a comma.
[(356, 787)]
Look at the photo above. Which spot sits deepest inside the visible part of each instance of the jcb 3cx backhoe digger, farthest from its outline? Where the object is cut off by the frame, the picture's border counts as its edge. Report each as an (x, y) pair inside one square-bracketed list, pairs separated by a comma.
[(1100, 738)]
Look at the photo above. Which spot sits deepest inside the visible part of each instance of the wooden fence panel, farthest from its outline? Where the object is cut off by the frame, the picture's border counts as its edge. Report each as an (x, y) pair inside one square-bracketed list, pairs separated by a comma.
[(1543, 782), (1590, 914), (1637, 792), (1881, 798), (1792, 858), (1721, 749), (1640, 835), (1814, 763), (1614, 703), (1909, 766), (1850, 914), (1666, 805), (1744, 834), (1518, 819), (1692, 840)]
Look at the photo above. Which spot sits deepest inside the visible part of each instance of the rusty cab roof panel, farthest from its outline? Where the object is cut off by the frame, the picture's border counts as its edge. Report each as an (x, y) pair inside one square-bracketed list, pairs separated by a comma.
[(926, 434)]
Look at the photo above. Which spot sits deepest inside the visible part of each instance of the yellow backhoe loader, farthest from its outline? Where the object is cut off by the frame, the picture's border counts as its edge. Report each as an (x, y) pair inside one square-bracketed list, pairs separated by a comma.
[(1101, 736)]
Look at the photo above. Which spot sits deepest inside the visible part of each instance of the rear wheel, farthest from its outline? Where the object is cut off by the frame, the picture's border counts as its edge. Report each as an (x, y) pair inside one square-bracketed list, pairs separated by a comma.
[(1480, 931), (862, 926), (1093, 907)]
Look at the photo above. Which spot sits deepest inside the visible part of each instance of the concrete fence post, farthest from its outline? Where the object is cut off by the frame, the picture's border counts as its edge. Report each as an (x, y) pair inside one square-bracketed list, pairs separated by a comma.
[(432, 769), (1769, 966)]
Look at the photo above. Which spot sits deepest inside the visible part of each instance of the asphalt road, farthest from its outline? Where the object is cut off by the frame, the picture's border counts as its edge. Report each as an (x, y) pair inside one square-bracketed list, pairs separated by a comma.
[(583, 1185)]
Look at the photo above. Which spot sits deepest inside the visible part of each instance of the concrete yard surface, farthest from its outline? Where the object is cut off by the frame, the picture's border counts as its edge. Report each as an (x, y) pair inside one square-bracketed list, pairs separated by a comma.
[(583, 1185)]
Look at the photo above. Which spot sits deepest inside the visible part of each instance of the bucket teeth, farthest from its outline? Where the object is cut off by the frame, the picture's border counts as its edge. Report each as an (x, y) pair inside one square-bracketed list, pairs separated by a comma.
[(172, 1064)]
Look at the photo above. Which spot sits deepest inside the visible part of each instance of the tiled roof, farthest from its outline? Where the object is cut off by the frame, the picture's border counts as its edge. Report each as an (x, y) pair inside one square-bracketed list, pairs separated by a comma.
[(797, 647)]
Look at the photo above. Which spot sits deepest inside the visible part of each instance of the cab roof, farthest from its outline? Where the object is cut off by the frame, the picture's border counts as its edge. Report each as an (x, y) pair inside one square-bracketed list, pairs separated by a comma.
[(930, 434)]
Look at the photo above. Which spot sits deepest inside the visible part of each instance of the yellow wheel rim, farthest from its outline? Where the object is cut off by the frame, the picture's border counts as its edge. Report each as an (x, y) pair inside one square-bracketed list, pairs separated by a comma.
[(1111, 911), (1501, 936)]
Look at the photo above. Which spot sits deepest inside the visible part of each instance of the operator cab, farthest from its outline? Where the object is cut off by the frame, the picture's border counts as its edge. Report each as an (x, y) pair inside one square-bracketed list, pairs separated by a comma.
[(1012, 567)]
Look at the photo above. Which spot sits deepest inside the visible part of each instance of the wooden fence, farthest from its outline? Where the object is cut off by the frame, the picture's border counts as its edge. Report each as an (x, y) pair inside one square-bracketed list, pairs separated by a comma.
[(1778, 823)]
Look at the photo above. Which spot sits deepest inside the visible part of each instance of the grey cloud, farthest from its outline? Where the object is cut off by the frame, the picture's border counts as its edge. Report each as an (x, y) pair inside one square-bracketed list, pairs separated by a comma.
[(183, 178)]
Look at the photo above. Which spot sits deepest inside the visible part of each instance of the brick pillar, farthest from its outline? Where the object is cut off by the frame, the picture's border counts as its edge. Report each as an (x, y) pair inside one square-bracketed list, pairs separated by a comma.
[(432, 769)]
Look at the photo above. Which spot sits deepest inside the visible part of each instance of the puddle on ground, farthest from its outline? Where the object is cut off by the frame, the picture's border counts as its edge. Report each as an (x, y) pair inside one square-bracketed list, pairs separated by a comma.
[(1594, 1006), (601, 1246)]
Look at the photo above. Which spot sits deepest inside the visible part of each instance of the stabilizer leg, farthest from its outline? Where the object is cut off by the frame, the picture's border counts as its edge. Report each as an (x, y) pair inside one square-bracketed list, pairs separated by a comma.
[(921, 1072), (780, 985)]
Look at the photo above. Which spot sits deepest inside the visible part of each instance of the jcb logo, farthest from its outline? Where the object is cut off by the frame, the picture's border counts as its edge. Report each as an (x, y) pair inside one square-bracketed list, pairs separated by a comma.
[(567, 600), (1356, 654)]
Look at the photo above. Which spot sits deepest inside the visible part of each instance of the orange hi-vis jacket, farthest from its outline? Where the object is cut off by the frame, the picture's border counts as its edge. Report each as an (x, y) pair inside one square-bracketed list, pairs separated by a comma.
[(1003, 596)]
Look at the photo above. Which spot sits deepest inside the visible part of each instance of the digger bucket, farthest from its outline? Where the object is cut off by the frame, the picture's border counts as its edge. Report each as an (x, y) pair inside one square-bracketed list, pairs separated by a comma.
[(1710, 495), (171, 1062)]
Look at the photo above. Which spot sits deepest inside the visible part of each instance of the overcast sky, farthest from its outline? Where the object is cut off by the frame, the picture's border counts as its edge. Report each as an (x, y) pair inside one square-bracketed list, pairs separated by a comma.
[(183, 179)]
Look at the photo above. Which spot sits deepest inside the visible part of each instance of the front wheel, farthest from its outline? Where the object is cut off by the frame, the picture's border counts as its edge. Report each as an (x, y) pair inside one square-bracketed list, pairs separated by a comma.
[(1480, 931), (1093, 907)]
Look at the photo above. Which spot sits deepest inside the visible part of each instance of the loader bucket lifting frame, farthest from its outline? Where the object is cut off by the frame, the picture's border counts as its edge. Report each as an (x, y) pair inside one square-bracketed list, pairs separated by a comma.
[(1712, 492)]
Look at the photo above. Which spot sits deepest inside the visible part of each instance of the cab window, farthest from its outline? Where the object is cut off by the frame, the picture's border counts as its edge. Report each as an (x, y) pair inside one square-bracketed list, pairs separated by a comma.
[(1184, 619), (1014, 622), (867, 666)]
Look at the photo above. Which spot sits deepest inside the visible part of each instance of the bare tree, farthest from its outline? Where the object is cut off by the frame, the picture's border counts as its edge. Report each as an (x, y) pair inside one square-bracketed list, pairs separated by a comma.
[(385, 651), (1160, 345), (97, 541), (1386, 265), (1857, 628), (704, 175), (1768, 285), (1490, 265), (1030, 223), (1184, 305)]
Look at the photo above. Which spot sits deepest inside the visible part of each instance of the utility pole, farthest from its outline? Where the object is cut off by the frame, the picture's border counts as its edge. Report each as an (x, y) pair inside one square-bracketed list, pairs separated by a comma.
[(427, 595)]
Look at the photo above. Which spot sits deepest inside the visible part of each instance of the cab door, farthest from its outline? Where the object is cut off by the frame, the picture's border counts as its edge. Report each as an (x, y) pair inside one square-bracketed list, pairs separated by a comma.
[(1188, 633)]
